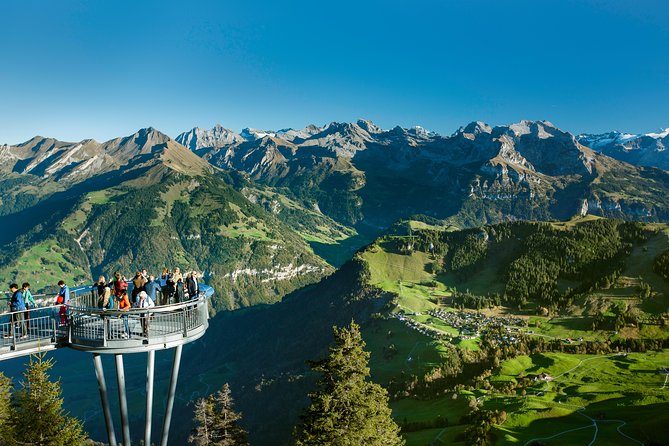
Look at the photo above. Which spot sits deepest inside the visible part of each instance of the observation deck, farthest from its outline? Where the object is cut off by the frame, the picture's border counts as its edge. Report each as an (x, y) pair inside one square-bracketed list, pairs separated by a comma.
[(103, 331), (112, 332)]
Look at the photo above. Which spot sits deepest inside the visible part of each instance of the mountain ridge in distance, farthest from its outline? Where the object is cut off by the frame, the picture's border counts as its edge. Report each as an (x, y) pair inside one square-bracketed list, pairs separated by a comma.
[(525, 170)]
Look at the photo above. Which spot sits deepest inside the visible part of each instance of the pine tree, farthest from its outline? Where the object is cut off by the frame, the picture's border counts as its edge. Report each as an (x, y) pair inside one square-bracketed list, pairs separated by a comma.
[(6, 388), (203, 417), (347, 409), (217, 421), (37, 416)]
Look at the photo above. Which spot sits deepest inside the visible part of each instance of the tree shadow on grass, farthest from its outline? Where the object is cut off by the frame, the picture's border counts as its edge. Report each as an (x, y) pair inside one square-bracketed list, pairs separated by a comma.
[(541, 361)]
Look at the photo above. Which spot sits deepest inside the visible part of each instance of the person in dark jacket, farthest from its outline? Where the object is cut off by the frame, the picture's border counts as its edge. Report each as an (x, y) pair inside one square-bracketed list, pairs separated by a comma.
[(152, 288), (138, 283), (192, 285), (181, 294), (171, 288), (17, 306)]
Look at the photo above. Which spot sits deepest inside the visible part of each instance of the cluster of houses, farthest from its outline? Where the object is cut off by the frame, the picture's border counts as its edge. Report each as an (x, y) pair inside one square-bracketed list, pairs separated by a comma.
[(470, 325)]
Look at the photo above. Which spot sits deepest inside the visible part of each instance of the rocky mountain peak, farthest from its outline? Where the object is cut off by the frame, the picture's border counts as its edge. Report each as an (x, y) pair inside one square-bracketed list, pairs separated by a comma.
[(251, 134), (199, 138), (477, 127), (293, 135), (146, 137), (369, 126), (539, 129)]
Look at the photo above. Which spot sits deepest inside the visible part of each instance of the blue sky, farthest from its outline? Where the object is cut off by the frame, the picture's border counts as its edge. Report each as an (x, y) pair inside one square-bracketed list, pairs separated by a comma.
[(100, 69)]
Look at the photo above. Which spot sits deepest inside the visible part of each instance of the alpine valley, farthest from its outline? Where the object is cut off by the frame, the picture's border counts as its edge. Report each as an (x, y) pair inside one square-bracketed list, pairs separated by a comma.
[(511, 282)]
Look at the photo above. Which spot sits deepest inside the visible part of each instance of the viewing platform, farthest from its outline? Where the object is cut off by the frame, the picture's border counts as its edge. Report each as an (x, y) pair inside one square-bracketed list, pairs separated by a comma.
[(112, 333), (103, 331)]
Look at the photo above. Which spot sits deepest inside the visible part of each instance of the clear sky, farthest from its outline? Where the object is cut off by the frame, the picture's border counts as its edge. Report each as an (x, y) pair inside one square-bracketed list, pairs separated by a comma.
[(100, 69)]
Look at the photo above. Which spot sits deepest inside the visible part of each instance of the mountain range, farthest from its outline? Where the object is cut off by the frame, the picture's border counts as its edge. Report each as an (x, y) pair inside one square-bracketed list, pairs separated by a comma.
[(77, 210), (261, 211), (357, 172), (647, 149)]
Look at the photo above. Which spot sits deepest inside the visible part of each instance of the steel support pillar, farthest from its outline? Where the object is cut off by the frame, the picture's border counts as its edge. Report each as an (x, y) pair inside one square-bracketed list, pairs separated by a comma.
[(123, 402), (104, 399), (170, 395), (150, 361)]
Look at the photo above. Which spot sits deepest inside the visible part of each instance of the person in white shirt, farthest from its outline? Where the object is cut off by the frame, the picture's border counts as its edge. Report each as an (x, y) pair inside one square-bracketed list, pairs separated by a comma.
[(144, 302)]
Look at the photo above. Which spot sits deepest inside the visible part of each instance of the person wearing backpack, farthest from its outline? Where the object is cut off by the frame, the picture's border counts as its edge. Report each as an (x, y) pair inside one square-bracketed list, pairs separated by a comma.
[(17, 306), (63, 299), (120, 285), (105, 302)]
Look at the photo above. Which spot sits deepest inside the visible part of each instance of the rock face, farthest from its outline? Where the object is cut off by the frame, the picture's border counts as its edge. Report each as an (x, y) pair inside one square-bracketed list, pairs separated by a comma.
[(358, 171), (648, 149), (198, 138)]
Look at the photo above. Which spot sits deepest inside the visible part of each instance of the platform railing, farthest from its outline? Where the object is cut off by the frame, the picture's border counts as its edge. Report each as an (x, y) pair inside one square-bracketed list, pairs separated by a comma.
[(87, 323), (35, 326), (98, 328)]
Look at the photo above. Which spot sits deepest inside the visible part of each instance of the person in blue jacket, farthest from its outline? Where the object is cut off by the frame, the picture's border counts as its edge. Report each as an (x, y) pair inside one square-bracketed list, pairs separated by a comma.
[(17, 306)]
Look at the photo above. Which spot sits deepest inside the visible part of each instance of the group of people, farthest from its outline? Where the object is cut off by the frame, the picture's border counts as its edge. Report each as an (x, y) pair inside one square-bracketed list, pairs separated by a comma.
[(169, 287), (22, 300), (147, 291)]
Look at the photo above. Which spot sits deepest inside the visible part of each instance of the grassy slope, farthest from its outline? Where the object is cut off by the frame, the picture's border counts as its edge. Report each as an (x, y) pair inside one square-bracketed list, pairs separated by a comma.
[(408, 276), (43, 265), (609, 386), (199, 223)]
